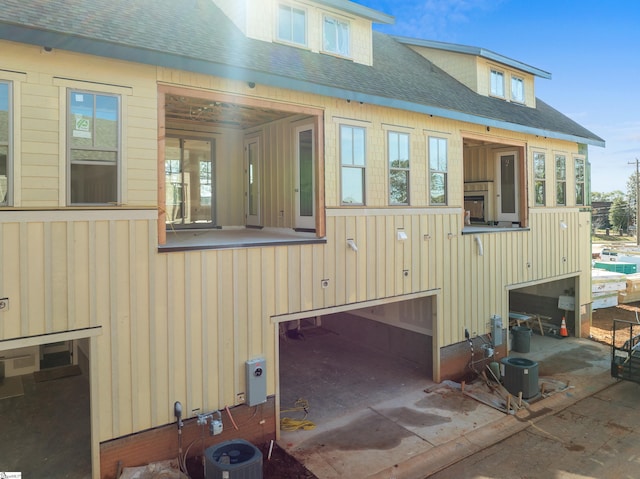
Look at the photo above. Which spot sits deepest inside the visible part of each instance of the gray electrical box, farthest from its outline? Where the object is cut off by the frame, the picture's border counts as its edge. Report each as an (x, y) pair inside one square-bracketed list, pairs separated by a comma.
[(496, 329), (256, 381)]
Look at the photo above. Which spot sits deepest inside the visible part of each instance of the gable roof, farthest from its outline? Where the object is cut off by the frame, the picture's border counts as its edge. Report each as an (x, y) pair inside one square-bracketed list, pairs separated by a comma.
[(194, 35)]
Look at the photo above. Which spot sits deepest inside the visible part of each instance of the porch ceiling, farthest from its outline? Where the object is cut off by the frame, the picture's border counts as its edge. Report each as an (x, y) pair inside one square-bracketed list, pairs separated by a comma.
[(222, 114)]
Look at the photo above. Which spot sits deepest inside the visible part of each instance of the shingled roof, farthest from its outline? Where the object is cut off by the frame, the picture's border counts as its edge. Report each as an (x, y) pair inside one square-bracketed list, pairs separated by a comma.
[(195, 35)]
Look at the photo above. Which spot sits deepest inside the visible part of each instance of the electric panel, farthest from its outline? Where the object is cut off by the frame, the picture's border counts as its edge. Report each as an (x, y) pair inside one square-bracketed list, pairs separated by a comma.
[(256, 381), (496, 329)]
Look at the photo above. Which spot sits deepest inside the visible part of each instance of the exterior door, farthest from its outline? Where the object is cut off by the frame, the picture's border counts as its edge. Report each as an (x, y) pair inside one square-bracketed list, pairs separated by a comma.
[(507, 186), (304, 185), (252, 181)]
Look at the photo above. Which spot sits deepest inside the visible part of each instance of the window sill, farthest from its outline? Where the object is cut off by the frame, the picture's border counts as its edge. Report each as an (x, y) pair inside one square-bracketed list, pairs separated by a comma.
[(482, 229), (191, 240)]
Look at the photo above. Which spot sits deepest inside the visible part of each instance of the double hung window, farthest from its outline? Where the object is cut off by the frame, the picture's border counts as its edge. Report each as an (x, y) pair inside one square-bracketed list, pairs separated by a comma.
[(336, 36), (539, 179), (292, 25), (517, 89), (93, 147), (5, 137), (437, 171), (497, 83), (580, 176), (398, 168), (352, 160), (561, 180)]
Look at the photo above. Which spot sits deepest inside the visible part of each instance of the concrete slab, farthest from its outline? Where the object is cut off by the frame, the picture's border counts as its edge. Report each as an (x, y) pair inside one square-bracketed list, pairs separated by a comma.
[(414, 433)]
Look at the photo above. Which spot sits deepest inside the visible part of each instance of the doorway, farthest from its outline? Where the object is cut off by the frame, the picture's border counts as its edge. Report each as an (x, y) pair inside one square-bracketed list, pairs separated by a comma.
[(252, 181), (304, 187), (507, 191)]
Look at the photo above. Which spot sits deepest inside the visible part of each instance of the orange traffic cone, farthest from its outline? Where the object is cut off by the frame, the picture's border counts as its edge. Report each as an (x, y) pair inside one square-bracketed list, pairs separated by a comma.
[(563, 329)]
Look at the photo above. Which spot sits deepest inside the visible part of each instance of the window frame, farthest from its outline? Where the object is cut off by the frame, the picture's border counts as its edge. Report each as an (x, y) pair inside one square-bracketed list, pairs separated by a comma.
[(8, 200), (338, 22), (397, 169), (291, 40), (495, 73), (514, 98), (580, 184), (69, 148), (352, 165), (561, 180), (539, 179), (439, 171)]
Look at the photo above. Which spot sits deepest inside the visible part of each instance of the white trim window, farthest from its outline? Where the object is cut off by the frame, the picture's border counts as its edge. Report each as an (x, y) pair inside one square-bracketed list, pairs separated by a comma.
[(5, 143), (437, 171), (540, 181), (292, 25), (335, 35), (580, 181), (93, 142), (497, 83), (352, 159), (561, 180), (398, 148), (517, 89)]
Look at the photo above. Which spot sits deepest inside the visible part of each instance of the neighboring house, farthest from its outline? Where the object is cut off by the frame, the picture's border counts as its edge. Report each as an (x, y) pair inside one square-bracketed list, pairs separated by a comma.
[(182, 181)]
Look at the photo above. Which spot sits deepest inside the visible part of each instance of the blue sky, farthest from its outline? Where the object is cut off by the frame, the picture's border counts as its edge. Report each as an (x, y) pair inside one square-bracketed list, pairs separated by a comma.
[(591, 48)]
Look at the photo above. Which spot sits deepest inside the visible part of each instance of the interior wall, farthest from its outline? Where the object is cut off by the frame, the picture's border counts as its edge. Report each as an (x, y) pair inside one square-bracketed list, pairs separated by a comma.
[(392, 340)]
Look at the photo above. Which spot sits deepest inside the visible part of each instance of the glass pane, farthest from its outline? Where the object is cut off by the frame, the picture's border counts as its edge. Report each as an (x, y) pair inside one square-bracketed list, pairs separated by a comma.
[(538, 166), (561, 171), (399, 187), (92, 155), (437, 154), (299, 27), (305, 158), (358, 146), (437, 188), (343, 38), (106, 128), (580, 194), (174, 202), (284, 23), (196, 181), (579, 171), (393, 148), (81, 120), (254, 190), (508, 184), (540, 192), (4, 112), (561, 190), (353, 186), (330, 35), (4, 180), (346, 145), (94, 184)]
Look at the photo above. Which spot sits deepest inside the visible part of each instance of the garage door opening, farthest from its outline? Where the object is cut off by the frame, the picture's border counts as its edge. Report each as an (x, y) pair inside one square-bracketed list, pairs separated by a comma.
[(542, 307), (346, 362), (44, 403)]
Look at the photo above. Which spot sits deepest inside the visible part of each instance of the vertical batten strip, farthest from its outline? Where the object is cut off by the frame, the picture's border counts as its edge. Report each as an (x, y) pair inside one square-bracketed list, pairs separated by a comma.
[(24, 280), (171, 386), (204, 330), (133, 328), (113, 327), (153, 257), (48, 278), (72, 320), (188, 350), (93, 317), (2, 270)]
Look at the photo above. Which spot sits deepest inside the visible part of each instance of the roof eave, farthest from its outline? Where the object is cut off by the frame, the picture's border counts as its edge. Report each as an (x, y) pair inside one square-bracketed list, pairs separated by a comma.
[(476, 51), (151, 57), (374, 15)]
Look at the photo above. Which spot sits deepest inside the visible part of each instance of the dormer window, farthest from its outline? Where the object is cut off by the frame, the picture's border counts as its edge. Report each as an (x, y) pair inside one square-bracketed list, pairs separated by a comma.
[(497, 83), (517, 89), (336, 36), (292, 25)]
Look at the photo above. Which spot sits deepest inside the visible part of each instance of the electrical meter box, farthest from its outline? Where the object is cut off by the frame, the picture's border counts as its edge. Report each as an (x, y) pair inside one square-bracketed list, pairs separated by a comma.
[(256, 381)]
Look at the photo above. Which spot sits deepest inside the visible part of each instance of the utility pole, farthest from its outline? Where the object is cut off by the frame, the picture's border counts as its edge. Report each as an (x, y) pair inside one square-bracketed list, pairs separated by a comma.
[(637, 200)]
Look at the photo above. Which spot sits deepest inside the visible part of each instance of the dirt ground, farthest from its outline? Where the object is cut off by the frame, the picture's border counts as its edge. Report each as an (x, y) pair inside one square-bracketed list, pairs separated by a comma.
[(602, 320)]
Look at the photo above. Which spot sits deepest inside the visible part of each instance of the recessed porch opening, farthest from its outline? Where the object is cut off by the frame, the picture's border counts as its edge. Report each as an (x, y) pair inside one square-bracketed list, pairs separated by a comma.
[(494, 184), (229, 163)]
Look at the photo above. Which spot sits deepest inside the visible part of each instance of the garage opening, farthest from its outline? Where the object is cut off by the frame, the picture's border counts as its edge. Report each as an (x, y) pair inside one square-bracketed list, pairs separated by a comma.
[(346, 362), (44, 403), (542, 307)]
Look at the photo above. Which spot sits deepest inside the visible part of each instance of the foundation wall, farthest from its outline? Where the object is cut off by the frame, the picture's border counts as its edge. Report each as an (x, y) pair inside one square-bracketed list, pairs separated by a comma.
[(255, 424)]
